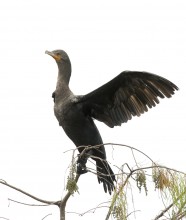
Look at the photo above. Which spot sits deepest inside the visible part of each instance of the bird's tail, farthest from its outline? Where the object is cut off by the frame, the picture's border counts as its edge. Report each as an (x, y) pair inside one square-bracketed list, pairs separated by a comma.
[(105, 175)]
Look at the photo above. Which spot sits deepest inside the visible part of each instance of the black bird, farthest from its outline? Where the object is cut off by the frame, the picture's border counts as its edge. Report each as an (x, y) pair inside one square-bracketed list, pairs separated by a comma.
[(129, 94)]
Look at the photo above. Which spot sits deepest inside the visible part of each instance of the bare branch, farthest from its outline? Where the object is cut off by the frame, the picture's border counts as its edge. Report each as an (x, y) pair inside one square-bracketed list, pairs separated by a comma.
[(22, 203), (46, 216), (106, 144), (28, 194), (91, 210), (172, 204), (133, 212), (164, 211)]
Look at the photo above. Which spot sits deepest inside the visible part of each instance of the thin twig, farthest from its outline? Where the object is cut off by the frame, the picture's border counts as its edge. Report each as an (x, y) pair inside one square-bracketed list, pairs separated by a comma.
[(28, 194), (46, 216), (170, 206), (133, 212), (117, 194), (22, 203), (164, 211), (90, 210), (106, 144)]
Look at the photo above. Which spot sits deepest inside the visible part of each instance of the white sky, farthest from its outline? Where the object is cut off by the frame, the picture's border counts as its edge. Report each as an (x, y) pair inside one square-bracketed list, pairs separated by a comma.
[(102, 39)]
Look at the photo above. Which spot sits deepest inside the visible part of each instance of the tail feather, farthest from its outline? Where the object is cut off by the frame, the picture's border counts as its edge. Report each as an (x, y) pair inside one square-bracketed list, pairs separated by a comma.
[(105, 175)]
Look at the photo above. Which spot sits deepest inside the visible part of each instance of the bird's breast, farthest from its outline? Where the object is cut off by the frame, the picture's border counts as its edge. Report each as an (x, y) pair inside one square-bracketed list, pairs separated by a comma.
[(67, 112), (79, 127), (61, 111)]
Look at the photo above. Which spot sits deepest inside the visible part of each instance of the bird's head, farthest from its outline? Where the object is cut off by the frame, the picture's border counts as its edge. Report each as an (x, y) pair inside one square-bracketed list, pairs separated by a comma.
[(63, 62), (59, 55)]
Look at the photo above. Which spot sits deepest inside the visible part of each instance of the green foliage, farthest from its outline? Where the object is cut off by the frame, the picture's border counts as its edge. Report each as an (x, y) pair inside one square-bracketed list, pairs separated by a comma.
[(141, 180), (173, 186), (119, 208), (178, 194), (161, 177), (119, 201), (169, 182), (71, 185)]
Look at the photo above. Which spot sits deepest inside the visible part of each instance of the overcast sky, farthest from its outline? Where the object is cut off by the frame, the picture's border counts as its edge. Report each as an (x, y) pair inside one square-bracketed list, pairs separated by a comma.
[(102, 38)]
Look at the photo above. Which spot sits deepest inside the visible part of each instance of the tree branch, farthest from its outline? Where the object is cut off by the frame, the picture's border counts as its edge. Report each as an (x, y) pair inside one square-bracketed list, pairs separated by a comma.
[(46, 216), (125, 182), (170, 206), (22, 203), (29, 195), (64, 201)]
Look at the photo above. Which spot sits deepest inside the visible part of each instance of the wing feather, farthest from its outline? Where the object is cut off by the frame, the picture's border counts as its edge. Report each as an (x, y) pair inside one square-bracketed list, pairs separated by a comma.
[(131, 93)]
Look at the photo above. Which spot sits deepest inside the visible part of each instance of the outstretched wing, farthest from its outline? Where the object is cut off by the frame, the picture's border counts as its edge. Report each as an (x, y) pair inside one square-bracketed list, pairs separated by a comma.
[(129, 94)]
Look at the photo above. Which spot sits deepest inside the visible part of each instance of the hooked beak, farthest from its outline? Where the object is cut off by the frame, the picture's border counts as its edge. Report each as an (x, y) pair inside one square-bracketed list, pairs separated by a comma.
[(55, 56)]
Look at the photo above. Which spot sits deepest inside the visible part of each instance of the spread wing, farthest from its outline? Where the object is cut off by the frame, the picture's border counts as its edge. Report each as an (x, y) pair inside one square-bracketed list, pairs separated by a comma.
[(129, 94)]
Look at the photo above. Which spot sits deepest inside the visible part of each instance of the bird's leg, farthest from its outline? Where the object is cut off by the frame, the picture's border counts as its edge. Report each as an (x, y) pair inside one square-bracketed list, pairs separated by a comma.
[(81, 162)]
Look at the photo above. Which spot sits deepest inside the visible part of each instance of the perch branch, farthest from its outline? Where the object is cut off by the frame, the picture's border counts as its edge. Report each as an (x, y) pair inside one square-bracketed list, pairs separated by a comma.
[(28, 194), (64, 201)]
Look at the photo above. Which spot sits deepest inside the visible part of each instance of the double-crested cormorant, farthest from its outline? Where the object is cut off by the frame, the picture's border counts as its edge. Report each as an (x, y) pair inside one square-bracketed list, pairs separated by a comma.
[(129, 94)]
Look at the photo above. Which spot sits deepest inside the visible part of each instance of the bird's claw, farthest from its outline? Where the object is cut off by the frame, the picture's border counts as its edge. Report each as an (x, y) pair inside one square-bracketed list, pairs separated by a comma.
[(81, 169), (81, 165)]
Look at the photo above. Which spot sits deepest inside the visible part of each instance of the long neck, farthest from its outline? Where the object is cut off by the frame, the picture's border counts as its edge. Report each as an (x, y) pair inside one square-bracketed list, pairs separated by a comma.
[(62, 86)]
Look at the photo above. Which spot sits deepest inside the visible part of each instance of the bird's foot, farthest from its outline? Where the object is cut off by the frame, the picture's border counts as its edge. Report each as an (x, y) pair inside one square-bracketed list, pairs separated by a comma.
[(81, 169), (81, 165)]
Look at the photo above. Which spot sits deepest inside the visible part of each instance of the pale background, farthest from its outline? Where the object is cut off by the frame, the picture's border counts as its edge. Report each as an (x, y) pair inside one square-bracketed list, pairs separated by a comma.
[(102, 39)]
